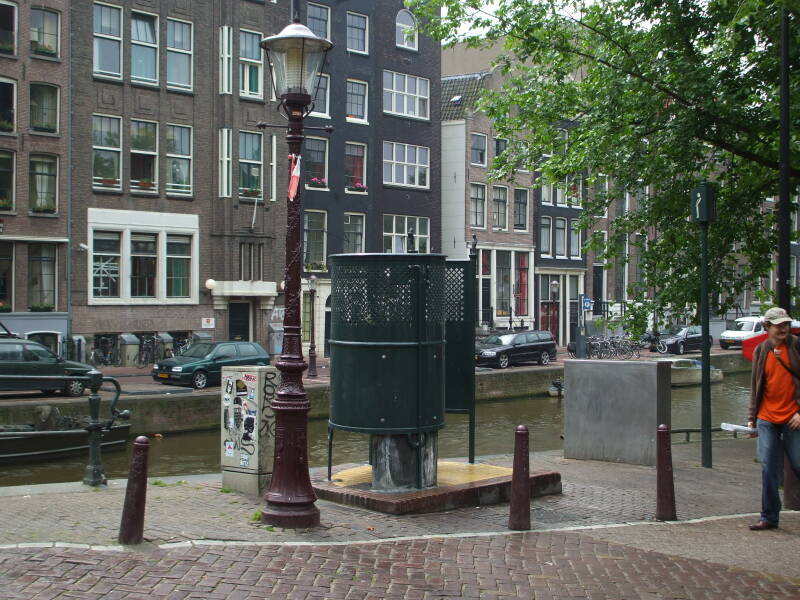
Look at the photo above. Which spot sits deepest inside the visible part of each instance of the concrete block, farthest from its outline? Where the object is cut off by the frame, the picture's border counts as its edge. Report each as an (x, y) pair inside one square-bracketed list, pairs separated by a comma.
[(612, 409)]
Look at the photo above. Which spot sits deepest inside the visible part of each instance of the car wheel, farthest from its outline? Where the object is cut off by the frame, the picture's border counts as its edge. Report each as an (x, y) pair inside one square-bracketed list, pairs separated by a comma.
[(679, 349), (723, 345), (200, 380), (74, 388), (502, 361), (544, 358)]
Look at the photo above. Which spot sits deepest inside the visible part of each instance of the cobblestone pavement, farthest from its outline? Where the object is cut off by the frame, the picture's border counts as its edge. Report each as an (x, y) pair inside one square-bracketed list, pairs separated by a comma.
[(596, 540)]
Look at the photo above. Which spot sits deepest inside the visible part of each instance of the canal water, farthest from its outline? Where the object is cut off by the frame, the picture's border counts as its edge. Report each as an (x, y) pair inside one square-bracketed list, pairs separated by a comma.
[(192, 453)]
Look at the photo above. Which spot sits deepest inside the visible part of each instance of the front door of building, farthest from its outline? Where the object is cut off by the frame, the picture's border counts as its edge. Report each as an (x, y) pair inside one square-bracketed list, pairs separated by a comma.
[(239, 321), (548, 318)]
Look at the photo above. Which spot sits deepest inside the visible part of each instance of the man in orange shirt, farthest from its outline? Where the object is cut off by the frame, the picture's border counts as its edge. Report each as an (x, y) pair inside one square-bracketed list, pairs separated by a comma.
[(775, 410)]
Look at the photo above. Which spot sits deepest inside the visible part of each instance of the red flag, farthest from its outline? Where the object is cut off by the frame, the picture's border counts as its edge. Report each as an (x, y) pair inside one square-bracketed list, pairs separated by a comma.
[(294, 179)]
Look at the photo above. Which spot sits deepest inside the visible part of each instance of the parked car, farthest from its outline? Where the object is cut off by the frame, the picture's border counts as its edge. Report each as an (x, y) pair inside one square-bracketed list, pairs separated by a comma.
[(201, 365), (513, 348), (742, 329), (682, 339), (24, 357)]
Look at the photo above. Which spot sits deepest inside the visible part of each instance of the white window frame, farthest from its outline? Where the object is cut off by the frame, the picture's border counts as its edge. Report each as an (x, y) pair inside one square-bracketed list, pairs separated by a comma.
[(548, 251), (418, 166), (400, 238), (363, 229), (161, 224), (14, 102), (55, 157), (575, 250), (189, 156), (118, 149), (327, 155), (501, 226), (556, 222), (409, 43), (58, 29), (273, 168), (365, 119), (527, 210), (15, 6), (365, 170), (225, 162), (141, 80), (472, 199), (242, 191), (365, 51), (327, 10), (189, 52), (324, 241), (120, 39), (546, 194), (136, 187), (605, 194), (560, 193), (415, 96), (323, 114), (13, 181), (226, 59), (251, 63), (473, 136)]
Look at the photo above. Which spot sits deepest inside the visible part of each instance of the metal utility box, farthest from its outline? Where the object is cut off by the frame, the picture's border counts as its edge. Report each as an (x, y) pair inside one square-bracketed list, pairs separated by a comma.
[(248, 427), (128, 349), (387, 342), (167, 340), (201, 336)]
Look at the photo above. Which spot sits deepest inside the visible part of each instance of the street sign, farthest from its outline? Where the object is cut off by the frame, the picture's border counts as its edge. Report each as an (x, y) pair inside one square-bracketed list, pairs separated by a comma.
[(208, 323), (587, 303), (703, 204)]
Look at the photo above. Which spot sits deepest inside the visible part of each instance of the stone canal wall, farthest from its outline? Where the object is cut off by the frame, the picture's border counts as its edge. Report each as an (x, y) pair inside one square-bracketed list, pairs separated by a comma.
[(197, 411)]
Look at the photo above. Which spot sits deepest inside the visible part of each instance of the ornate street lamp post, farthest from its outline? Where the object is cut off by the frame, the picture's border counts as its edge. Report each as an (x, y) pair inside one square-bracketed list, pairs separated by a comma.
[(312, 348), (295, 57)]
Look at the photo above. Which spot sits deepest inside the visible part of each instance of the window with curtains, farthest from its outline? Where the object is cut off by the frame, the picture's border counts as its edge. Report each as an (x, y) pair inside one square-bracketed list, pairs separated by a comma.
[(500, 208), (355, 156), (521, 284), (545, 236), (107, 148), (574, 240), (179, 262), (561, 237), (107, 40), (356, 100), (44, 32), (353, 240), (6, 180), (321, 97), (44, 107), (405, 30), (314, 229), (144, 48), (251, 65), (42, 183), (106, 255), (7, 275), (179, 54), (318, 18), (251, 165), (477, 205), (315, 162), (144, 261), (42, 275), (503, 283), (357, 33), (179, 159), (520, 209), (144, 156), (8, 105)]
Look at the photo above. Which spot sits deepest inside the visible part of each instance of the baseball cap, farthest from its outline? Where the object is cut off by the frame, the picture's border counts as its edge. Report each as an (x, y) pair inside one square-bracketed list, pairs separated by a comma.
[(777, 315)]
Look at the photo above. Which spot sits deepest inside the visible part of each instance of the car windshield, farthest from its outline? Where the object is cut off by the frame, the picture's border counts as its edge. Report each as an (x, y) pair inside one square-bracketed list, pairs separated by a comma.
[(503, 340), (744, 326), (676, 330), (198, 351)]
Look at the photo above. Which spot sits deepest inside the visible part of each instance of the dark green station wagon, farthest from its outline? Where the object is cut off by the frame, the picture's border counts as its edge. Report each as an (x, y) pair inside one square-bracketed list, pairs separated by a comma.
[(201, 365), (25, 357)]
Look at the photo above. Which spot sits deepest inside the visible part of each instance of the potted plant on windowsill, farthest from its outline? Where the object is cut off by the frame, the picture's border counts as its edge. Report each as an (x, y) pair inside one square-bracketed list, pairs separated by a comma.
[(146, 184), (41, 308), (316, 266), (251, 193), (357, 187), (5, 308), (44, 209), (7, 48), (6, 125), (109, 181), (318, 182), (5, 203), (39, 48)]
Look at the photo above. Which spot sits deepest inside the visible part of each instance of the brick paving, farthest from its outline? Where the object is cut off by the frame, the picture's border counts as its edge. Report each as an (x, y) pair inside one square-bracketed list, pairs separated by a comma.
[(596, 540)]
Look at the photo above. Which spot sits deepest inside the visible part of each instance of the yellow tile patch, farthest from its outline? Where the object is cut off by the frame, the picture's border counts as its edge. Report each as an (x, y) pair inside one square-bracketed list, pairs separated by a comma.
[(449, 473)]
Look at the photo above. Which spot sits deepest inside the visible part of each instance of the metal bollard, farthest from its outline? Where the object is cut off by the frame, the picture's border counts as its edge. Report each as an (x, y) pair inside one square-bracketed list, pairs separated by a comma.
[(519, 518), (95, 475), (131, 527), (665, 486)]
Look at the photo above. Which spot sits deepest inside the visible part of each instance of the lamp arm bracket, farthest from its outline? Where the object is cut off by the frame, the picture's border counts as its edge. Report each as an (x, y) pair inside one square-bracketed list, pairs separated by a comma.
[(263, 125), (326, 129)]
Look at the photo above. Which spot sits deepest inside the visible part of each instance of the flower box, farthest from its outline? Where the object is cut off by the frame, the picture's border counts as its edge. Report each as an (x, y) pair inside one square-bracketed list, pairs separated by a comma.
[(357, 188), (6, 125), (5, 308), (316, 182), (108, 181), (251, 193), (41, 308), (44, 209), (316, 266), (146, 185)]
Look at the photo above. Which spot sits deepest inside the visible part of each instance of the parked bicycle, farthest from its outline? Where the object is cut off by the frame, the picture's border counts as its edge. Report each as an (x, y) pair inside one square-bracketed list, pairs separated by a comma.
[(608, 347), (151, 350), (181, 345), (105, 352)]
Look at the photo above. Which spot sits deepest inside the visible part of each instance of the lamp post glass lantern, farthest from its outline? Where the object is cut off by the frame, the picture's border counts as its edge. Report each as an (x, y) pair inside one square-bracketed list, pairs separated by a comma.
[(295, 57)]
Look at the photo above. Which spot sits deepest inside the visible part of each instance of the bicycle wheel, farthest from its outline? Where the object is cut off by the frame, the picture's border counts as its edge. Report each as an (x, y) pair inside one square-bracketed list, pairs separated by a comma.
[(141, 359), (661, 347)]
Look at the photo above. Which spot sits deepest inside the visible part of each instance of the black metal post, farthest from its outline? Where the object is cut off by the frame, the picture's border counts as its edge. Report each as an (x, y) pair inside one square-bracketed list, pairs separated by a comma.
[(470, 298), (94, 475), (131, 527), (705, 395), (665, 482), (519, 518), (312, 348), (290, 497)]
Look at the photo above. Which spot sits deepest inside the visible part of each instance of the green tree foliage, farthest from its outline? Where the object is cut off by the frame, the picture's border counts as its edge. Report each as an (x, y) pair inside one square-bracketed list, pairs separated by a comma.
[(663, 92)]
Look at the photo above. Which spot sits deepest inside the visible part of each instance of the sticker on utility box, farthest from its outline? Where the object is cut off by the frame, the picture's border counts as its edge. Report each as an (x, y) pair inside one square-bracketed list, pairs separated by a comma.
[(228, 448), (244, 460)]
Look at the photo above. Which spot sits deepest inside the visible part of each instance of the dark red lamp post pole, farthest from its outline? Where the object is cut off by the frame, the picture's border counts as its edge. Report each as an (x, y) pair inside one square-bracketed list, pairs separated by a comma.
[(295, 56)]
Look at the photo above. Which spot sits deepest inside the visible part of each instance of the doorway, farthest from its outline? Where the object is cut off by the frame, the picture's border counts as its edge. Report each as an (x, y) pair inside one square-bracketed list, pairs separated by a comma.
[(239, 321)]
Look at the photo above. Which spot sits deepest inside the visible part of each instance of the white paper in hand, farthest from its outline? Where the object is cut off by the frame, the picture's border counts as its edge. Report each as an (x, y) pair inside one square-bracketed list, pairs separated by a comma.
[(737, 428)]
